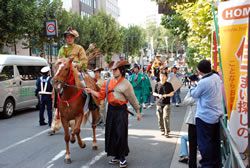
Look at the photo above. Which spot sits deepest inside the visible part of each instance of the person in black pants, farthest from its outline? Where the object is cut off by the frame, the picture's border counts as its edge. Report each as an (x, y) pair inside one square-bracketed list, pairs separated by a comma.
[(208, 92), (44, 91), (192, 136)]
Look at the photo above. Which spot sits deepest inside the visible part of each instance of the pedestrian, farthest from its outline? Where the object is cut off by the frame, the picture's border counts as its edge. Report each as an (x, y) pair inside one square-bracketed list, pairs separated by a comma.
[(156, 67), (163, 91), (191, 104), (118, 92), (176, 98), (100, 82), (149, 66), (209, 109), (152, 80), (136, 79), (184, 149), (147, 88), (44, 91)]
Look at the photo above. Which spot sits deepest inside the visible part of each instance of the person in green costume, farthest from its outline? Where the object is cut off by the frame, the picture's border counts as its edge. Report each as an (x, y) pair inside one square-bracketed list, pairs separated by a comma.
[(147, 88), (137, 82)]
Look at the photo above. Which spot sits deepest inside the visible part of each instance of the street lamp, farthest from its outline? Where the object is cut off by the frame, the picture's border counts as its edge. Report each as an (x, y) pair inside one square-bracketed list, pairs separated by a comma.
[(172, 47), (166, 40)]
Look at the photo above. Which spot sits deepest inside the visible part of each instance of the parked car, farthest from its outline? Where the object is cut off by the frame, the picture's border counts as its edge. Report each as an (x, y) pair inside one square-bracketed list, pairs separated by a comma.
[(18, 75)]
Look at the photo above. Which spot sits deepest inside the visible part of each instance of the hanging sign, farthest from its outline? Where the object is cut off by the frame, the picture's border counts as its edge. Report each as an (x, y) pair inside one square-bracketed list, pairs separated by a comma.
[(51, 28), (233, 28)]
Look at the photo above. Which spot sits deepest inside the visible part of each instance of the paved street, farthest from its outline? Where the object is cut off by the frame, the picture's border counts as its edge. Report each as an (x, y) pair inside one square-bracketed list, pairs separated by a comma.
[(25, 144)]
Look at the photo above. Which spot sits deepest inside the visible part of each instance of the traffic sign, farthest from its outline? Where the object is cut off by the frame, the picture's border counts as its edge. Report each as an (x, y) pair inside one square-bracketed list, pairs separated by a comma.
[(51, 28)]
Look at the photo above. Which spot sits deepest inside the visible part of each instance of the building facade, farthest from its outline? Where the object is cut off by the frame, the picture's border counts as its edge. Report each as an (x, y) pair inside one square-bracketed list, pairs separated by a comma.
[(110, 7), (90, 7)]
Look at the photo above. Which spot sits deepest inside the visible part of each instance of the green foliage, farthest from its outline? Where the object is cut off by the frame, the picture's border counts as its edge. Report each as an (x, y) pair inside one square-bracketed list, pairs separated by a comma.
[(24, 19), (15, 20), (176, 24), (174, 2), (134, 39), (200, 21), (158, 33)]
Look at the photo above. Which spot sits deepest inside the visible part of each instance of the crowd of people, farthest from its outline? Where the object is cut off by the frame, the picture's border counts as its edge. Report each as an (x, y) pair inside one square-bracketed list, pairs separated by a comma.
[(146, 87)]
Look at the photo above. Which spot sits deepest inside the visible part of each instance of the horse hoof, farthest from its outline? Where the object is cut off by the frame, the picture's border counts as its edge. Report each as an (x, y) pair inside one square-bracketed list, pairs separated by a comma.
[(67, 161), (95, 147), (83, 145), (72, 141)]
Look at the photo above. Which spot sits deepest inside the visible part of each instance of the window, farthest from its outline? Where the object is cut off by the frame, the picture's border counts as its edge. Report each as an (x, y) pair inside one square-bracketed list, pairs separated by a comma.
[(95, 4), (30, 72), (7, 73)]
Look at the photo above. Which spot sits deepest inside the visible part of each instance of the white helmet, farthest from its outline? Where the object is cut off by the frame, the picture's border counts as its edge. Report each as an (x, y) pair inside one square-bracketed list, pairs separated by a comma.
[(45, 69)]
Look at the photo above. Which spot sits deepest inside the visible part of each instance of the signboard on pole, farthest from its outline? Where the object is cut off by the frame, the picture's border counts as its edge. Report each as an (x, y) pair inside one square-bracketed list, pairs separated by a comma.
[(51, 28), (233, 28)]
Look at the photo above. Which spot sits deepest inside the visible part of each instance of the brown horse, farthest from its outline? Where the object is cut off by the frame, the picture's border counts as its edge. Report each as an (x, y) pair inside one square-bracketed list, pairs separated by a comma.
[(71, 103)]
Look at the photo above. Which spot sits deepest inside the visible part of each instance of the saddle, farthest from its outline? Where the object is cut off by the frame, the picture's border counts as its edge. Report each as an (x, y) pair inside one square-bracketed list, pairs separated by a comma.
[(91, 83)]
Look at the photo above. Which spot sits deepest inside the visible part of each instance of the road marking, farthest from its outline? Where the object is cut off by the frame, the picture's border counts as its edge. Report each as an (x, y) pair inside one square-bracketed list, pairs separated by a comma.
[(50, 166), (23, 141), (94, 159), (154, 143), (62, 153), (59, 155)]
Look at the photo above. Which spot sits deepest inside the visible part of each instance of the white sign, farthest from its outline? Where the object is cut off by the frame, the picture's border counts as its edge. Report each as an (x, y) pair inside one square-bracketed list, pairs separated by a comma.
[(51, 28)]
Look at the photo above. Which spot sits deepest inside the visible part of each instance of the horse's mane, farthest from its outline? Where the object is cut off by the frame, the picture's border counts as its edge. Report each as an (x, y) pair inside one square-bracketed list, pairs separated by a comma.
[(76, 76)]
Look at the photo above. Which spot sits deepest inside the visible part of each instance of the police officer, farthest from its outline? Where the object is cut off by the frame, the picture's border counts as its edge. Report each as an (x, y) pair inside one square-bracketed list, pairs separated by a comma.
[(44, 90)]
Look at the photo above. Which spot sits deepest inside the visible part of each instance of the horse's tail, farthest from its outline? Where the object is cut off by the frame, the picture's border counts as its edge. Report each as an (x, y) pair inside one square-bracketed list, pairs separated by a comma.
[(85, 118)]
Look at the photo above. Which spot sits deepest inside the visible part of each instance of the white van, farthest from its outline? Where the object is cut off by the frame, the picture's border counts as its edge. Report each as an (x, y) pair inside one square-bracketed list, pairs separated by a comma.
[(18, 75)]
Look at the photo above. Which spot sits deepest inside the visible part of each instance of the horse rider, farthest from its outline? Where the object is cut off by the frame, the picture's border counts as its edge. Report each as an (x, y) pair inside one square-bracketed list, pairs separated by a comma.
[(44, 91), (80, 60), (119, 92), (70, 49), (156, 67), (100, 82)]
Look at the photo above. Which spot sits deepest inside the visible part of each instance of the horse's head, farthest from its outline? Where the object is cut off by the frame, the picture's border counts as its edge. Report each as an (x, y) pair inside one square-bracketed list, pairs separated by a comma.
[(63, 73)]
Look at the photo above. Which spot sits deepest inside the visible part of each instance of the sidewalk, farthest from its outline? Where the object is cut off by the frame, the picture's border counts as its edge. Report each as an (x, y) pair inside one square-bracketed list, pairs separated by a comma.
[(183, 131), (175, 163)]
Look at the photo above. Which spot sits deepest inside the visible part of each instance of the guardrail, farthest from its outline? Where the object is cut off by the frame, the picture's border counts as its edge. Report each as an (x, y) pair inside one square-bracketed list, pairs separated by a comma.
[(230, 155)]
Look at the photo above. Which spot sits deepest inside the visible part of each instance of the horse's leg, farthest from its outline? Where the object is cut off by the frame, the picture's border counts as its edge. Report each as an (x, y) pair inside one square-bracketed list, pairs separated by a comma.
[(77, 131), (67, 158), (95, 117), (72, 125)]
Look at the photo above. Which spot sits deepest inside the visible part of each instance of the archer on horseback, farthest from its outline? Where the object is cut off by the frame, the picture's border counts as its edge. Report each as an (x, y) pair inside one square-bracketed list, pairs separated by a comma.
[(80, 60)]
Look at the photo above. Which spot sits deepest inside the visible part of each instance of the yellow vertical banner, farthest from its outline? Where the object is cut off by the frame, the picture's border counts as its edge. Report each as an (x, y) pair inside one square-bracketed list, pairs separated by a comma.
[(233, 31)]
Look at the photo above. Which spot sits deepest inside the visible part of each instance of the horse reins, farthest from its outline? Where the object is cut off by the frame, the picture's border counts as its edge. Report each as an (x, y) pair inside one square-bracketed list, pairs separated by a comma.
[(70, 80)]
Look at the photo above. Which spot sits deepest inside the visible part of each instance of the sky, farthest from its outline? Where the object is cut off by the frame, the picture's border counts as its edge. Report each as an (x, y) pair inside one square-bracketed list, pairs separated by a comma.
[(136, 11)]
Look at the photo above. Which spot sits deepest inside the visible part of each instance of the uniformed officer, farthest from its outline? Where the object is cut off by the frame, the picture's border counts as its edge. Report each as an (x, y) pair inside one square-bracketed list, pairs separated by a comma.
[(44, 91)]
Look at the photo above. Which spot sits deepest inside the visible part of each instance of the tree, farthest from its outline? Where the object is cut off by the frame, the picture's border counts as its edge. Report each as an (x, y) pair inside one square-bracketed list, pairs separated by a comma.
[(15, 20), (174, 2), (200, 21), (134, 40), (176, 24)]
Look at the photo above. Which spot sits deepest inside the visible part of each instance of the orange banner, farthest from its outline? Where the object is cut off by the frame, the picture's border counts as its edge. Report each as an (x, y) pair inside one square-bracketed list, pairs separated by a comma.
[(233, 28)]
